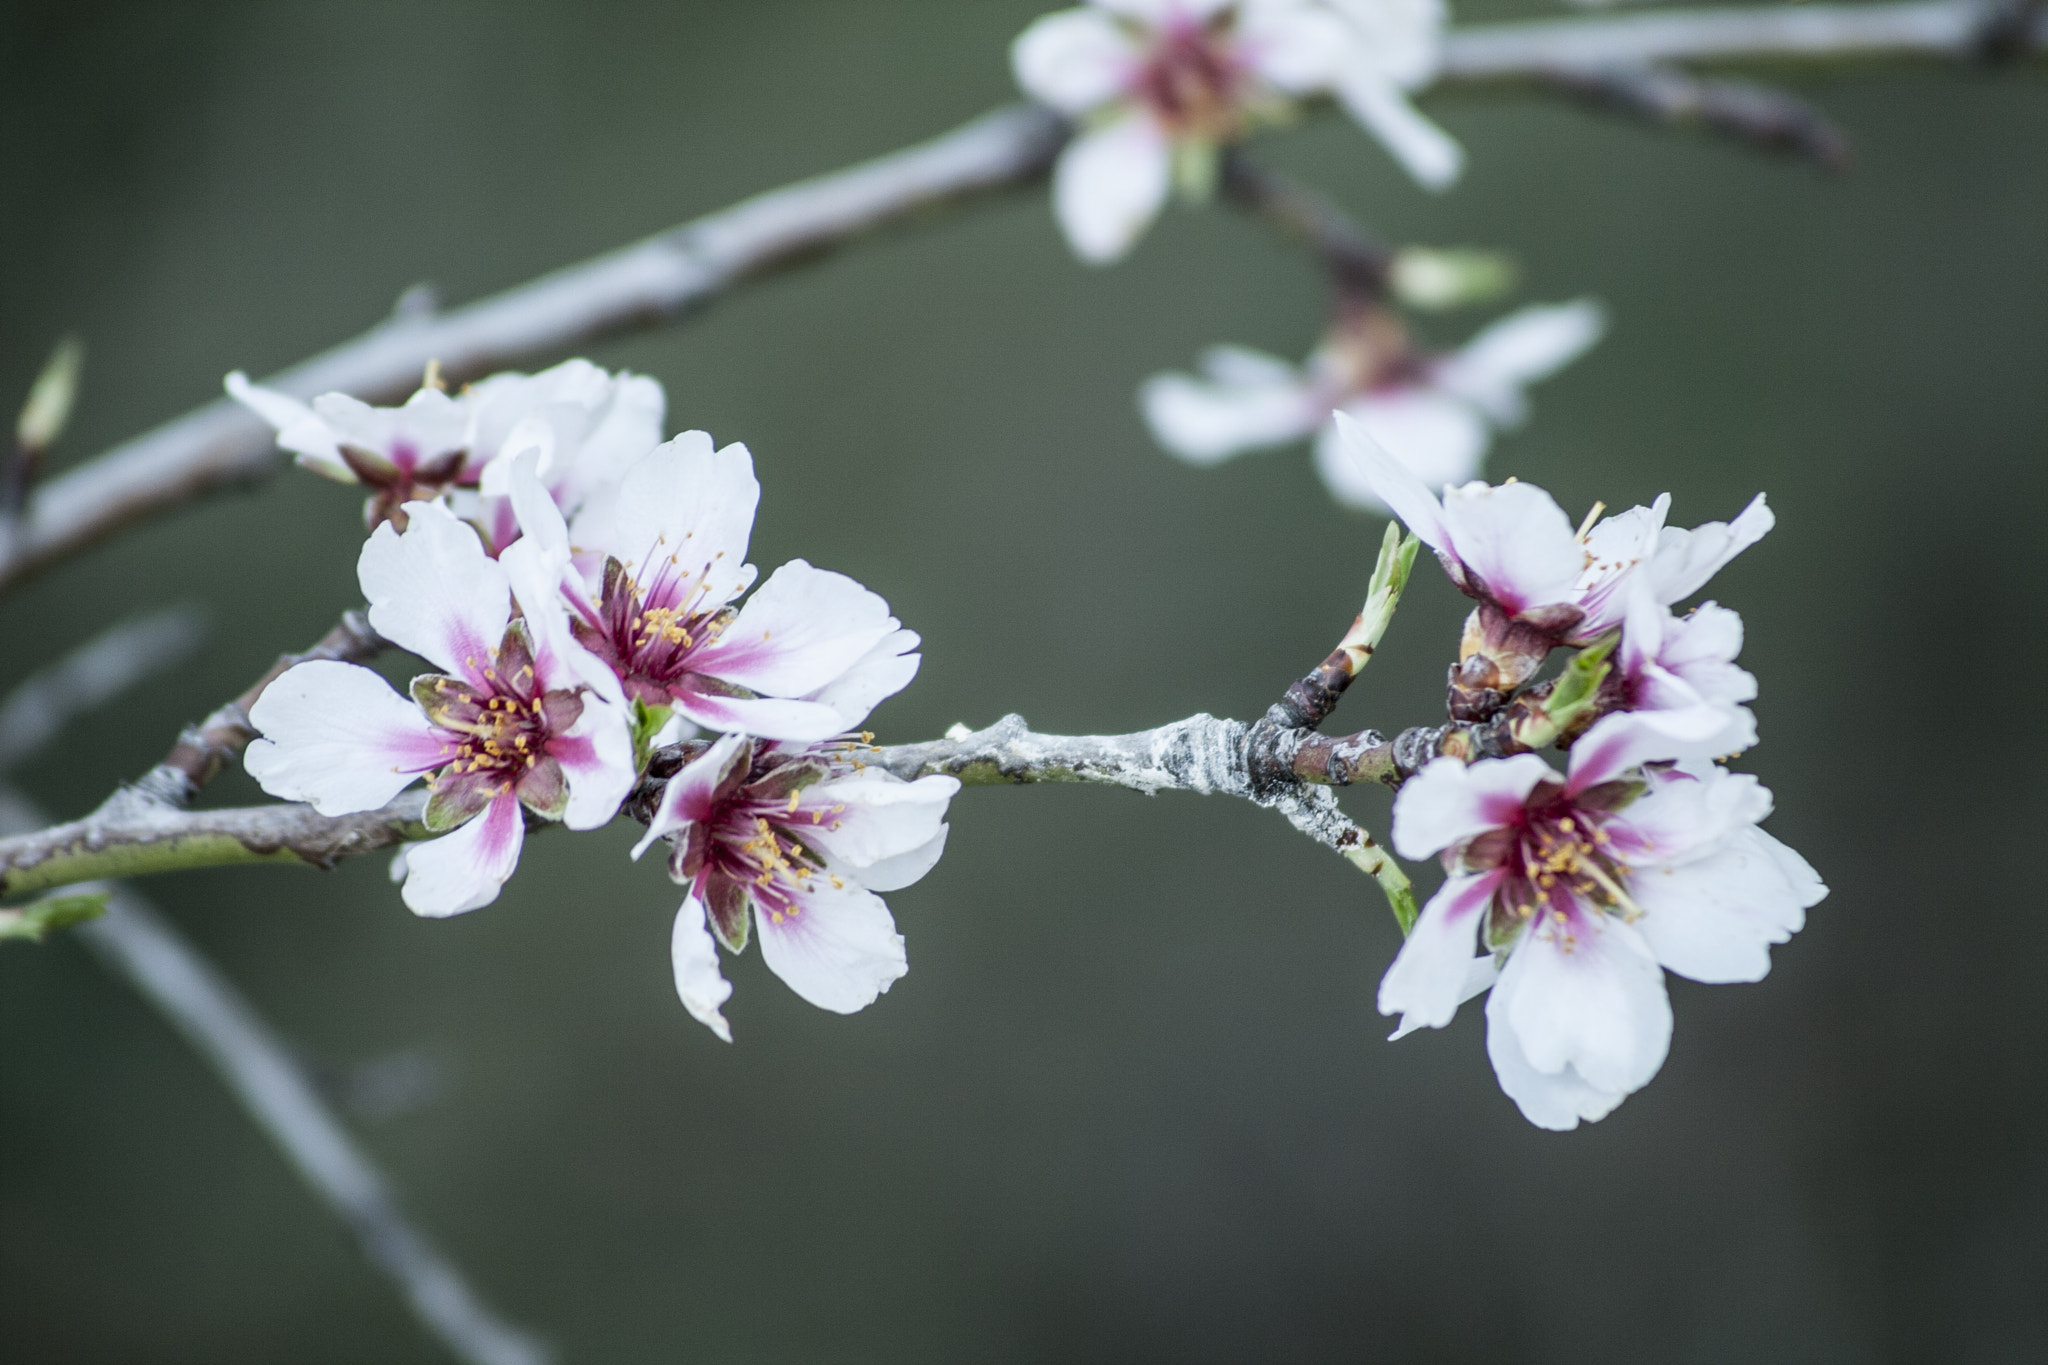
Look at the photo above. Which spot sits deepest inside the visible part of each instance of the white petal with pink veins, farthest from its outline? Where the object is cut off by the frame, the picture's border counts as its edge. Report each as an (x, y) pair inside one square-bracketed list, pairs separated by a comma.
[(337, 736), (700, 984), (871, 817), (1586, 994), (687, 797), (1716, 918), (1440, 439), (1207, 422), (1109, 184), (876, 676), (690, 505), (430, 424), (1425, 151), (1073, 60), (1555, 1100), (1425, 984), (1683, 817), (1516, 540), (797, 632), (434, 591), (1448, 800), (597, 760), (1618, 741), (1394, 484), (1493, 368), (839, 951), (467, 867)]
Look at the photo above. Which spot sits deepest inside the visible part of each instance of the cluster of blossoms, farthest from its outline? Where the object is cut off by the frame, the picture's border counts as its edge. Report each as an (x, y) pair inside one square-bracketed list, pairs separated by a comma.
[(1578, 890), (1159, 87), (578, 583)]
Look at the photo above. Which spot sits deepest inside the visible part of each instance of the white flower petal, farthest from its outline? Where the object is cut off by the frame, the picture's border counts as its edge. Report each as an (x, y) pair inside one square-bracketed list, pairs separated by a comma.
[(1438, 438), (1714, 919), (905, 869), (299, 430), (597, 759), (1685, 560), (700, 984), (1480, 974), (1394, 484), (1109, 184), (689, 504), (876, 676), (1294, 45), (1425, 151), (337, 736), (467, 867), (768, 717), (687, 797), (1425, 984), (1516, 541), (1685, 816), (1449, 801), (798, 631), (1205, 423), (1493, 368), (1073, 60), (1589, 995), (434, 591), (868, 818), (839, 950), (1557, 1101)]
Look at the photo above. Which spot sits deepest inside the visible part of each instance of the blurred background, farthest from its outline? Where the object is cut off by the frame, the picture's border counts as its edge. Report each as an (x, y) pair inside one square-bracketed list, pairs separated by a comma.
[(1133, 1100)]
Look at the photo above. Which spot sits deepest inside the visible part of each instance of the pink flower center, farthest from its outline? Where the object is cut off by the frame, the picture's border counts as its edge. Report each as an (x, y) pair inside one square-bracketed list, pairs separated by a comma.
[(1560, 862), (650, 634), (1194, 80)]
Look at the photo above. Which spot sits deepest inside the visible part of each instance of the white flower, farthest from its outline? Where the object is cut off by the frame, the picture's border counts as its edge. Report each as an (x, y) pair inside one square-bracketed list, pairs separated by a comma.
[(1511, 546), (520, 716), (806, 657), (583, 424), (1436, 415), (1678, 676), (1163, 83), (793, 841), (1589, 886)]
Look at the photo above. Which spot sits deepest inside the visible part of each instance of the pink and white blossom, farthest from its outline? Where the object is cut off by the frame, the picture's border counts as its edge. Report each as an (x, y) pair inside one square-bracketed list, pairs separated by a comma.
[(1678, 675), (520, 717), (1511, 547), (651, 580), (791, 843), (1586, 888), (1160, 85), (584, 424), (1435, 414)]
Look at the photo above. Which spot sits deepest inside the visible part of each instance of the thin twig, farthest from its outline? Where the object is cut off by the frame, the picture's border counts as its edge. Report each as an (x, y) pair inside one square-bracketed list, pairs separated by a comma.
[(93, 675), (652, 281), (1750, 113), (1360, 266)]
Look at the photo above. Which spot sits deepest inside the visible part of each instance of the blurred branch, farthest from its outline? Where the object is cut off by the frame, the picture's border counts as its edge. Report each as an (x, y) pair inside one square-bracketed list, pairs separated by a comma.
[(651, 281), (1755, 114), (106, 666), (1360, 266), (146, 950), (664, 276)]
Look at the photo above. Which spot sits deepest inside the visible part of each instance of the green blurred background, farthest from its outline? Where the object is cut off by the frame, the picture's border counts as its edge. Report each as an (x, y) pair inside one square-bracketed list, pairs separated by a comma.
[(1133, 1100)]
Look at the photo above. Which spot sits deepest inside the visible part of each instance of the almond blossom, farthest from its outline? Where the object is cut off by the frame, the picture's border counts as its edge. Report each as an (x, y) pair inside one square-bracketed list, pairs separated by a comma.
[(791, 842), (520, 717), (1585, 889), (1161, 85), (1679, 677), (1512, 548), (1436, 414), (650, 583), (584, 424)]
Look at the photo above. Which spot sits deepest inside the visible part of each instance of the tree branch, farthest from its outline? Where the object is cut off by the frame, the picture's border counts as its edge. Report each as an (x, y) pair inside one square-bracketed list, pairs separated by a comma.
[(145, 949), (108, 665), (1755, 114), (220, 445)]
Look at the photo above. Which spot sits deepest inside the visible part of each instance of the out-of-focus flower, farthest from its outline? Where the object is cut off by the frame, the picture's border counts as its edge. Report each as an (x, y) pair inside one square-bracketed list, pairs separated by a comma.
[(1436, 414), (584, 425), (661, 564), (520, 716), (1587, 887), (793, 842), (1161, 85)]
